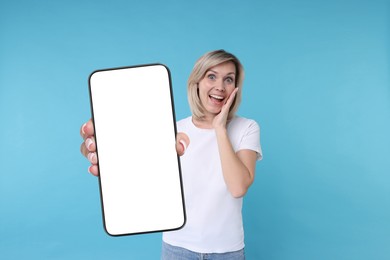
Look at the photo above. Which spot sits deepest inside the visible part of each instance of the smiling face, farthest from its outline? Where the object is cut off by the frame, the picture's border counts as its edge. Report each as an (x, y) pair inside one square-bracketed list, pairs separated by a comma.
[(200, 80), (216, 86)]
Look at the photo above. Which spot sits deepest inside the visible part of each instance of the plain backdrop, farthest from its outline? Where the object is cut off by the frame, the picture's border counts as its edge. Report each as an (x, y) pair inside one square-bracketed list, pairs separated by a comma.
[(317, 82)]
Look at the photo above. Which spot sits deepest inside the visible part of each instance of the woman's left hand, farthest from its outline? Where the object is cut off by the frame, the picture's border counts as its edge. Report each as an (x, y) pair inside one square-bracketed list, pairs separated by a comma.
[(221, 119)]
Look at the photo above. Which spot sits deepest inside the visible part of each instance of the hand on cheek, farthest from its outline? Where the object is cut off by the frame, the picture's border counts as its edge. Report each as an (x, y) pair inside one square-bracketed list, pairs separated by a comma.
[(221, 119)]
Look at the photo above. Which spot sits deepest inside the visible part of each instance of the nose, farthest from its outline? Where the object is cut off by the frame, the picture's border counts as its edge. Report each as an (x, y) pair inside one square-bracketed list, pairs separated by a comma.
[(219, 85)]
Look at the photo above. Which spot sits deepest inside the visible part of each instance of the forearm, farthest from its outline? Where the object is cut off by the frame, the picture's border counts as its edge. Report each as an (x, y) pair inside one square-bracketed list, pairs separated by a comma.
[(237, 176)]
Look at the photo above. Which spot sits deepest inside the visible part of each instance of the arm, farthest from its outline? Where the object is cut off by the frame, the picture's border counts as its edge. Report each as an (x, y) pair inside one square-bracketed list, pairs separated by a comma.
[(238, 168)]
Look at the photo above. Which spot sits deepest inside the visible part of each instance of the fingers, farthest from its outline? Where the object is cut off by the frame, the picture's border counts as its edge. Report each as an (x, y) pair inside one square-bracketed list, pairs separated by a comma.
[(87, 129), (182, 142), (88, 147), (92, 158), (83, 149), (220, 119), (93, 169), (90, 144), (230, 100)]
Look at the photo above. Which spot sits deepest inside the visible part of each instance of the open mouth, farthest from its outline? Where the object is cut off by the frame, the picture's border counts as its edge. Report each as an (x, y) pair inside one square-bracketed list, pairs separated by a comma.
[(216, 99)]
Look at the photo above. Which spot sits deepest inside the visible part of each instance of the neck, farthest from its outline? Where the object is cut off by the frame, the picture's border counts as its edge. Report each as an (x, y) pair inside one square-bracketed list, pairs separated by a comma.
[(204, 122)]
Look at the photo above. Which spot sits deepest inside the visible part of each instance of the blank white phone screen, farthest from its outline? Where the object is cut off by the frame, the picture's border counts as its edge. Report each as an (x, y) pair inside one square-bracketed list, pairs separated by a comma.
[(135, 130)]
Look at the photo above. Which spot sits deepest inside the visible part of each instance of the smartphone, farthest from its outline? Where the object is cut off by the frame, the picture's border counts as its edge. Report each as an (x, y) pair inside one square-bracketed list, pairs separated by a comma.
[(135, 129)]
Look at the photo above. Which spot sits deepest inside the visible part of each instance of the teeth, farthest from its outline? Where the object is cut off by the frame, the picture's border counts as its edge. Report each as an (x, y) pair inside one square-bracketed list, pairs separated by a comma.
[(216, 97)]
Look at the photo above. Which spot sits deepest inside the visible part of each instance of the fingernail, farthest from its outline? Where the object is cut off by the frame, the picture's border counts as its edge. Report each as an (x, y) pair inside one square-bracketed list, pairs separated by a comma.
[(88, 143), (184, 144), (89, 169), (91, 156), (82, 128)]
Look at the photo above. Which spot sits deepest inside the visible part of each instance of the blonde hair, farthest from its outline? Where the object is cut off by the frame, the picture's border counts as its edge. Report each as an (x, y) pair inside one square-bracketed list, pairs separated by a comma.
[(202, 65)]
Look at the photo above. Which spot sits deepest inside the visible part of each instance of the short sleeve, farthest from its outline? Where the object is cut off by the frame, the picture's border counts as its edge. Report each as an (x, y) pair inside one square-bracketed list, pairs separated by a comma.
[(251, 139)]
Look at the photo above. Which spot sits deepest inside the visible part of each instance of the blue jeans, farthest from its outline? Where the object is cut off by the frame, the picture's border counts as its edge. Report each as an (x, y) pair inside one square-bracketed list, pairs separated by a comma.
[(170, 252)]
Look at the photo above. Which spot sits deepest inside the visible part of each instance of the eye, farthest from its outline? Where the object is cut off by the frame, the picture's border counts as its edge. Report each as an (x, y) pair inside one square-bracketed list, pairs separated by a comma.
[(211, 76), (229, 80)]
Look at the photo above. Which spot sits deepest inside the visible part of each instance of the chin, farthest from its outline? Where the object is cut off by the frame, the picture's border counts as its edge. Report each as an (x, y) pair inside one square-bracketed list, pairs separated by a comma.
[(214, 112)]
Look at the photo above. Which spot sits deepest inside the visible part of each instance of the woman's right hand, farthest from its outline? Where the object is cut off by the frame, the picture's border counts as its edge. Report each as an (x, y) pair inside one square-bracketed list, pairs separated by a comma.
[(88, 146)]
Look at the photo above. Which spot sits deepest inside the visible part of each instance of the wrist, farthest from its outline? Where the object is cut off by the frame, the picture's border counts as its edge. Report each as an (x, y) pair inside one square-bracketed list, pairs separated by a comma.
[(220, 130)]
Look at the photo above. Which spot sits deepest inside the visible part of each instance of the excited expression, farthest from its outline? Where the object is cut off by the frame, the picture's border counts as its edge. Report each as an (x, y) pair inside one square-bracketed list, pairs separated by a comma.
[(216, 86)]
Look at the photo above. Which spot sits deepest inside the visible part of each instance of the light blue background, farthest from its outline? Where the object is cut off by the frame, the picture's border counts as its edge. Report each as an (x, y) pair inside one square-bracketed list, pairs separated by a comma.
[(317, 81)]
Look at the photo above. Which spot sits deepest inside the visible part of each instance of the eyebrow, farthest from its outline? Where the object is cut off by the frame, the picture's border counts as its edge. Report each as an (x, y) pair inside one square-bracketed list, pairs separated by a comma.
[(217, 72)]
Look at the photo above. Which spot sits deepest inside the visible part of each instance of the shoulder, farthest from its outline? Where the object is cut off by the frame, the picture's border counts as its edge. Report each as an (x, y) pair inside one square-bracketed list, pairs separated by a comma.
[(244, 133), (183, 123), (242, 123)]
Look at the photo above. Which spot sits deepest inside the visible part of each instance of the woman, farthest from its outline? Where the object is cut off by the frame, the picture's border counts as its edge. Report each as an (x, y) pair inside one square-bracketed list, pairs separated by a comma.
[(217, 168)]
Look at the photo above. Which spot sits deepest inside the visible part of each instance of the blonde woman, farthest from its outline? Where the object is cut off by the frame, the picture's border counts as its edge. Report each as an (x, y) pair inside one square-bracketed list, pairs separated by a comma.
[(217, 168)]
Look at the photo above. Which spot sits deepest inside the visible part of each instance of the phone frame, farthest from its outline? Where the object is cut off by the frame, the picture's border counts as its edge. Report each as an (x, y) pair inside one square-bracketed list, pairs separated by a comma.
[(97, 149)]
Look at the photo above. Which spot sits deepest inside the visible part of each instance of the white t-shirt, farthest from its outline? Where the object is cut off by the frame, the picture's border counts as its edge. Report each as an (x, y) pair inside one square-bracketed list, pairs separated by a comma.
[(214, 219)]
